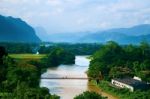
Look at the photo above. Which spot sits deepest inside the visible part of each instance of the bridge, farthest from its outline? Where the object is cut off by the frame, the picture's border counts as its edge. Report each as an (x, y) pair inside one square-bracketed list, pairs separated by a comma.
[(81, 78)]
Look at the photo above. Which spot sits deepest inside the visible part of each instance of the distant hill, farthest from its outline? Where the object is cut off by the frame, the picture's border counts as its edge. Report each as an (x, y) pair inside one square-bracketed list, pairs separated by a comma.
[(41, 33), (117, 37), (137, 30), (16, 30), (132, 35), (58, 37)]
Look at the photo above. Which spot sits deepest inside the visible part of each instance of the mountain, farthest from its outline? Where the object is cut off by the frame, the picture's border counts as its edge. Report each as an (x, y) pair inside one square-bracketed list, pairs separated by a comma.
[(58, 37), (132, 35), (137, 30), (16, 30), (42, 33), (67, 37), (117, 37)]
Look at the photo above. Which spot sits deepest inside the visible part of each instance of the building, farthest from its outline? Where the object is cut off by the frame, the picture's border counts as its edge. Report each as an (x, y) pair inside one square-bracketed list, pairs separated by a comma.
[(130, 83), (137, 78)]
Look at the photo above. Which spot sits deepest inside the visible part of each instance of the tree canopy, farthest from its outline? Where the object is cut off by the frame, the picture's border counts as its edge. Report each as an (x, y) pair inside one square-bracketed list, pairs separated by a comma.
[(113, 60), (89, 95), (59, 56)]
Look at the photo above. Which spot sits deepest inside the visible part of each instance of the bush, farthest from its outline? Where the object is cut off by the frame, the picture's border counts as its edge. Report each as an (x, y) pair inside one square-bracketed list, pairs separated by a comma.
[(89, 95)]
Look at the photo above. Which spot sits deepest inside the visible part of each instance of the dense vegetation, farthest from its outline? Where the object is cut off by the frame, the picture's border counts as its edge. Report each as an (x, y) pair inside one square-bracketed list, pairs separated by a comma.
[(20, 77), (77, 49), (115, 61), (124, 93), (89, 95), (20, 48), (20, 80), (59, 56), (44, 48)]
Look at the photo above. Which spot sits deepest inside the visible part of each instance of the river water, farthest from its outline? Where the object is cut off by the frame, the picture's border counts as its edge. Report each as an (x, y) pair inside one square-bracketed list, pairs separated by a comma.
[(69, 88)]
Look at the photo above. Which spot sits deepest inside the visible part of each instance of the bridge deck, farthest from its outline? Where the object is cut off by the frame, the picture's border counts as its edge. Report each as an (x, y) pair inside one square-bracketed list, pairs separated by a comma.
[(64, 78)]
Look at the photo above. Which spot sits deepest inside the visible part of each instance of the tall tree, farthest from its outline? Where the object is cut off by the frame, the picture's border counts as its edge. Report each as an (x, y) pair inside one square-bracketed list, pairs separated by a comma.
[(2, 53)]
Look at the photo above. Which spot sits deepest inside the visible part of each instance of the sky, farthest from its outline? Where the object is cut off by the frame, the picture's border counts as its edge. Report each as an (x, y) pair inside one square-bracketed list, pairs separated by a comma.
[(64, 16)]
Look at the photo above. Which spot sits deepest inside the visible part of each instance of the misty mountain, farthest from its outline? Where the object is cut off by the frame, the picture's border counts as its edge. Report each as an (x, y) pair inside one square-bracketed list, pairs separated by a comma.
[(16, 30), (67, 37), (59, 37), (132, 35), (117, 37), (41, 33), (137, 30)]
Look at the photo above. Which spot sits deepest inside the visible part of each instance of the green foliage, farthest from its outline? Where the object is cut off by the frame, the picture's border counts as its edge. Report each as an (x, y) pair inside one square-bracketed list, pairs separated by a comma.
[(19, 48), (113, 60), (60, 56), (3, 53), (77, 49), (124, 93), (108, 56), (24, 73), (3, 67), (89, 95), (120, 72), (23, 91), (94, 70), (145, 75), (20, 80)]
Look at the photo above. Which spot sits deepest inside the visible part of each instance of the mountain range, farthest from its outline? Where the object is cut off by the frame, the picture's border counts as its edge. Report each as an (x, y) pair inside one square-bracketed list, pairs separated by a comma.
[(16, 30), (133, 35)]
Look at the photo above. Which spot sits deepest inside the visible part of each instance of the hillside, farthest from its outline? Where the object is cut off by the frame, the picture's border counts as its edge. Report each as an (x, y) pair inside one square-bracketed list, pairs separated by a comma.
[(16, 30)]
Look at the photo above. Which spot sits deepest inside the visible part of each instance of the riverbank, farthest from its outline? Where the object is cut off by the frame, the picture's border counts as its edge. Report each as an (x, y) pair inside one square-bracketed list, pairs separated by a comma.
[(103, 92), (123, 93)]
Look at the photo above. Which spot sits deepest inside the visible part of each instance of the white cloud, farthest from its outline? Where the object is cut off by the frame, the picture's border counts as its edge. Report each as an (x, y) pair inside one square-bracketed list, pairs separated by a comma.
[(78, 15)]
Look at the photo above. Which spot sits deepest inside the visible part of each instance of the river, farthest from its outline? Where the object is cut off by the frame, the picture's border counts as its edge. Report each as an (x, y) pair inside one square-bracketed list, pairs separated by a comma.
[(69, 88)]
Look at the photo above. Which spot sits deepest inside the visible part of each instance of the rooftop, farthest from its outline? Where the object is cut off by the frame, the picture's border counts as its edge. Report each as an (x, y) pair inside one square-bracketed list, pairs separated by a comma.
[(132, 82)]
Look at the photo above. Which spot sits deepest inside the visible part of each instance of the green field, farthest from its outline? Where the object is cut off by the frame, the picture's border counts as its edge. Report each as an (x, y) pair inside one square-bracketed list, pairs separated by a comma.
[(27, 56)]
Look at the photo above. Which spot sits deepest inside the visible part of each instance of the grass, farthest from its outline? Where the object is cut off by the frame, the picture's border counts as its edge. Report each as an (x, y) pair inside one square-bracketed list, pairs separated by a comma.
[(27, 56)]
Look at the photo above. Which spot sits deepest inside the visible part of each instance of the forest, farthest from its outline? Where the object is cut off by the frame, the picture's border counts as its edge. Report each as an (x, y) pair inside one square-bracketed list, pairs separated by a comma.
[(45, 48), (19, 79), (115, 61)]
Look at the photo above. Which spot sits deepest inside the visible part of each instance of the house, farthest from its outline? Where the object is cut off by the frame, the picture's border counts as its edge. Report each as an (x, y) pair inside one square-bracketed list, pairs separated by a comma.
[(130, 83)]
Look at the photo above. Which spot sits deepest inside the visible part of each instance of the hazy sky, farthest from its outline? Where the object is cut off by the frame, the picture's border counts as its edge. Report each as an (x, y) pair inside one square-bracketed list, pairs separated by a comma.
[(78, 15)]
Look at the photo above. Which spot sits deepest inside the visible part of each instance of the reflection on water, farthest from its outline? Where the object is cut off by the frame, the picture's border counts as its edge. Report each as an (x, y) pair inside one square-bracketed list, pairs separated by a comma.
[(68, 88), (76, 70)]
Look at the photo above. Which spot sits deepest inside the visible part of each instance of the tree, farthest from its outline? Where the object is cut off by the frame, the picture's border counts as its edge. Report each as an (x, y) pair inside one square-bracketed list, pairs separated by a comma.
[(2, 54), (145, 48), (3, 67), (120, 72), (60, 56), (89, 95), (23, 72), (108, 56), (145, 75)]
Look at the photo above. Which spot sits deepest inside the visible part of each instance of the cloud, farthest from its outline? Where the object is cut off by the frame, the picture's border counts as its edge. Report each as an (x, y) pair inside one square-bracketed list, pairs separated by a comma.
[(78, 15)]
